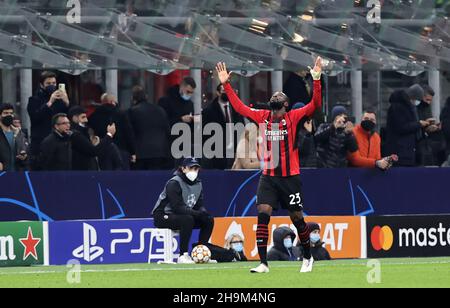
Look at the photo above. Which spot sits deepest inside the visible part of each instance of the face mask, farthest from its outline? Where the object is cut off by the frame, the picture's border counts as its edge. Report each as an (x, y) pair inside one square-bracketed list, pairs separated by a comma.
[(8, 121), (417, 103), (192, 175), (224, 98), (50, 89), (238, 247), (368, 126), (287, 243), (315, 238), (185, 97)]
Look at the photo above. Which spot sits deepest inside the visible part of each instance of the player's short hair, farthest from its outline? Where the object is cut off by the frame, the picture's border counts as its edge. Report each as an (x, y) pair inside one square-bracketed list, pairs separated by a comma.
[(279, 97)]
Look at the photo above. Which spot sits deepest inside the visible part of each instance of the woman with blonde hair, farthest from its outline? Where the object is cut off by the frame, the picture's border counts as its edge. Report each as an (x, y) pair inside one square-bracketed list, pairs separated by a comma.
[(235, 243)]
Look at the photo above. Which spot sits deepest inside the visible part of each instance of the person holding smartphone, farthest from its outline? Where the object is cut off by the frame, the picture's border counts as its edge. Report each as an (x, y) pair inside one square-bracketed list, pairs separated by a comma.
[(48, 101), (335, 140)]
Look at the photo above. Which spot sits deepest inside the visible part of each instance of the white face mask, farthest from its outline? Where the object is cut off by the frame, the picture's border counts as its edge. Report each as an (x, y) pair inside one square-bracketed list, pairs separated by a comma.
[(417, 103), (192, 175)]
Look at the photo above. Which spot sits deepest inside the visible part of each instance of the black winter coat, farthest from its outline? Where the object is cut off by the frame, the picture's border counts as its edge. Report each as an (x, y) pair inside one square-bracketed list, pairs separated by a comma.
[(108, 114), (41, 117), (278, 251), (57, 151), (175, 106), (151, 129), (403, 129)]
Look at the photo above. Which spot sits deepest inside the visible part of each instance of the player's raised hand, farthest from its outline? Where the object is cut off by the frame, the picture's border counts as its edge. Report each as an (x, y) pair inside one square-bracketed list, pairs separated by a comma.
[(222, 72), (316, 72)]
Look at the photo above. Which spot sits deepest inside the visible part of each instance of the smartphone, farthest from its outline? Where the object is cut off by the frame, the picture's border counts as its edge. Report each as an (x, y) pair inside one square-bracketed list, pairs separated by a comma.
[(62, 87)]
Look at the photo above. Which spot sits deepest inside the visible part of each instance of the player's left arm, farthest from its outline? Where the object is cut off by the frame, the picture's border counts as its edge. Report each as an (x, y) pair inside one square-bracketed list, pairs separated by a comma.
[(316, 102)]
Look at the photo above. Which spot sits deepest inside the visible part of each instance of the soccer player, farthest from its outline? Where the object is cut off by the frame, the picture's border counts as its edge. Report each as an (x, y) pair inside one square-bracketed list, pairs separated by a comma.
[(280, 182)]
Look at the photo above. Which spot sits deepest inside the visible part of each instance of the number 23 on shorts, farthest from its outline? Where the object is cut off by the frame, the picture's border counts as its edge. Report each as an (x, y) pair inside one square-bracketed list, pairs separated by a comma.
[(296, 199)]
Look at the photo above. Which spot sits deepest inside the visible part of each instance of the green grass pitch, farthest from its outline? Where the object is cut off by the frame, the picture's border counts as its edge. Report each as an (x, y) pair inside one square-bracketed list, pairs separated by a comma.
[(432, 272)]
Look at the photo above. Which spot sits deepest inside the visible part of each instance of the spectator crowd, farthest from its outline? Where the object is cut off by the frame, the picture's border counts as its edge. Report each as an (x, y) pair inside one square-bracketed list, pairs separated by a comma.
[(63, 137)]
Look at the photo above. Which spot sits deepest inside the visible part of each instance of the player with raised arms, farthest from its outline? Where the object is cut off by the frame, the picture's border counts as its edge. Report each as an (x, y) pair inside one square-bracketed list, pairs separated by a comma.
[(280, 183)]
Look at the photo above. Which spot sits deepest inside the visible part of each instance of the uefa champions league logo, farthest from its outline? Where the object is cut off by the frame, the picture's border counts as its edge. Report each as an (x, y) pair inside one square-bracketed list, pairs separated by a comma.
[(191, 201)]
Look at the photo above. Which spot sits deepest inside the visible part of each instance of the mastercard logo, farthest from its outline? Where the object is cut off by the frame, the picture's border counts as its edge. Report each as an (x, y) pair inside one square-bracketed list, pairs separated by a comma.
[(382, 238)]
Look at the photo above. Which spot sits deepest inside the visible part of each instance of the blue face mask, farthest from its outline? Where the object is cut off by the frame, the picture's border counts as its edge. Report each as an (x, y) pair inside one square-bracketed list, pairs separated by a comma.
[(185, 97), (287, 243), (315, 238), (50, 89), (238, 247)]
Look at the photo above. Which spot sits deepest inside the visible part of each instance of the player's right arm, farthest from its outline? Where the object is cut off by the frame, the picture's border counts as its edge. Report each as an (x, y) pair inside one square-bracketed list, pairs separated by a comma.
[(238, 105)]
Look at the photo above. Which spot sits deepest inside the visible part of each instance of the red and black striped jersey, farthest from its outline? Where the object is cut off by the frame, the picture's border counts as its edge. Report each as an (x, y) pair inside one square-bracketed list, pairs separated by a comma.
[(278, 150)]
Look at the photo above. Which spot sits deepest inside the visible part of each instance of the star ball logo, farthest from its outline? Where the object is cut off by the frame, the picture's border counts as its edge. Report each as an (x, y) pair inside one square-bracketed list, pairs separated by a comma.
[(382, 238)]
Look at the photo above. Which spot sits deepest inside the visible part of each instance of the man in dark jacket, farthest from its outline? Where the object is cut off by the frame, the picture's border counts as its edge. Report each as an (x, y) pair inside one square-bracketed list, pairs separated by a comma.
[(283, 246), (221, 112), (178, 104), (13, 143), (47, 102), (180, 108), (318, 252), (404, 128), (58, 148), (110, 113), (82, 160), (152, 132), (431, 147), (336, 140)]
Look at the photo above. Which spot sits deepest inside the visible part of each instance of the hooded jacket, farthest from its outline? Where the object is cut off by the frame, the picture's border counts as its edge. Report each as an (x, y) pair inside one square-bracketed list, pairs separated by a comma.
[(278, 251), (403, 129)]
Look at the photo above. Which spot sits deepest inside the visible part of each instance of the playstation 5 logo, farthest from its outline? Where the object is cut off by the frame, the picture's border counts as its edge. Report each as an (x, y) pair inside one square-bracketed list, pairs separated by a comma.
[(88, 251)]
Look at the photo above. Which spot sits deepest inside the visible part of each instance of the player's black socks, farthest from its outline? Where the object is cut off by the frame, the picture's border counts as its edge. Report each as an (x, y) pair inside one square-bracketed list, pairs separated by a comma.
[(262, 236), (304, 233)]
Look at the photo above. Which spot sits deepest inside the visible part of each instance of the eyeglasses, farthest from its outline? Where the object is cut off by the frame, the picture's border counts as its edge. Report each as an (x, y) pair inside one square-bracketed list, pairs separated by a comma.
[(239, 242), (63, 123)]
